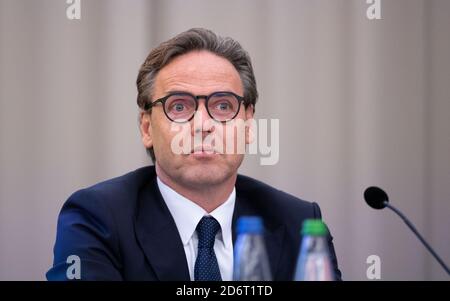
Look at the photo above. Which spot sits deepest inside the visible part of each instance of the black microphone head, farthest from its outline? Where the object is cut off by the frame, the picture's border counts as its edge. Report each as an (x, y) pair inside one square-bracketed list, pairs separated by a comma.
[(376, 197)]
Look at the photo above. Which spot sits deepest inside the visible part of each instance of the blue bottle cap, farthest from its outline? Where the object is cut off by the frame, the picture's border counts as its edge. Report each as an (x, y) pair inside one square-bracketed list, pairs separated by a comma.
[(250, 224)]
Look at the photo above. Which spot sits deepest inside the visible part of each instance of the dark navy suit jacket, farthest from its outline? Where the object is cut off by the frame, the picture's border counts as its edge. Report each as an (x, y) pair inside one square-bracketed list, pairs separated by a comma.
[(121, 229)]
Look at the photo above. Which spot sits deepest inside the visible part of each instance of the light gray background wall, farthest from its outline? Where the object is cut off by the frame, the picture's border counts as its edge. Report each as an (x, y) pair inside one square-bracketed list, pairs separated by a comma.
[(360, 103)]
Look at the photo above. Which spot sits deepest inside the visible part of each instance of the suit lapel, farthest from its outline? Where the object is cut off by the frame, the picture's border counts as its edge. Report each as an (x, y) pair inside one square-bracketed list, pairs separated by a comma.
[(274, 232), (158, 236)]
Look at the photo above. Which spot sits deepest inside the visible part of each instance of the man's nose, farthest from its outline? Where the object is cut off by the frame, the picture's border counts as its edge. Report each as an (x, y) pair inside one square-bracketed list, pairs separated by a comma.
[(202, 121), (202, 110)]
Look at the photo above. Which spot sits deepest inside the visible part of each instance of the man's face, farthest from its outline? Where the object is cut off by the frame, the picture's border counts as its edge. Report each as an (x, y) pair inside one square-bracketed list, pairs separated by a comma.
[(198, 73)]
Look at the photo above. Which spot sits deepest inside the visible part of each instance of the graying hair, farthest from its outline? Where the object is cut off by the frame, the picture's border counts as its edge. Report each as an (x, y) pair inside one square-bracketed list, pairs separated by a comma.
[(195, 39)]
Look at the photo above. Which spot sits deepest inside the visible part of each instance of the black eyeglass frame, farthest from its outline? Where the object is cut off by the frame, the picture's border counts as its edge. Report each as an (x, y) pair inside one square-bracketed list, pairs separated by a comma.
[(163, 100)]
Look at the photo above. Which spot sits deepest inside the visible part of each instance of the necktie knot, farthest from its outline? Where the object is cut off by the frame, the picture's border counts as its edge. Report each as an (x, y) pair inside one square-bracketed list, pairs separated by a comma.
[(207, 229)]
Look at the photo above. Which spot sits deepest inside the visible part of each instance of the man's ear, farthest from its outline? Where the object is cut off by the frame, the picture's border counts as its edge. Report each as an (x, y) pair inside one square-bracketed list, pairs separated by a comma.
[(145, 127), (249, 124)]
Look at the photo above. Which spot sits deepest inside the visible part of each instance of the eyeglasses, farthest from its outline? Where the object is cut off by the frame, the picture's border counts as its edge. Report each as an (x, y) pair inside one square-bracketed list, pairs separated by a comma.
[(181, 106)]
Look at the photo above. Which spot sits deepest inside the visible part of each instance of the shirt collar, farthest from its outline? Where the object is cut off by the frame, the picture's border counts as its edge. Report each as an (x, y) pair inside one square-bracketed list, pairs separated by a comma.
[(188, 214)]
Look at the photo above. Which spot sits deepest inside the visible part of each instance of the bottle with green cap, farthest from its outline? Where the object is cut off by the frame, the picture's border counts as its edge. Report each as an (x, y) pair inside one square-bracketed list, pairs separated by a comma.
[(251, 262), (314, 262)]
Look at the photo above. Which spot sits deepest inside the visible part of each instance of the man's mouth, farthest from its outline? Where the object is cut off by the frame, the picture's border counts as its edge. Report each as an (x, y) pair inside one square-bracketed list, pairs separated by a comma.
[(203, 149)]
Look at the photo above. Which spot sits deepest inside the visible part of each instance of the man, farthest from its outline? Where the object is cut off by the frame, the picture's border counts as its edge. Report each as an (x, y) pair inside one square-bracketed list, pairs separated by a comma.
[(152, 223)]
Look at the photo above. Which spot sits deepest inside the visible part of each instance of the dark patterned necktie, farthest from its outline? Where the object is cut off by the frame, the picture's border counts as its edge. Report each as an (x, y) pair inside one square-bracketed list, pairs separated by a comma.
[(206, 266)]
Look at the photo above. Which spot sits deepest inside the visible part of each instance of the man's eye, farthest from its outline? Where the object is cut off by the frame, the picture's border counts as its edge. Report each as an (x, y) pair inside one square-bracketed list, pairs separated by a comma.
[(178, 107), (223, 106)]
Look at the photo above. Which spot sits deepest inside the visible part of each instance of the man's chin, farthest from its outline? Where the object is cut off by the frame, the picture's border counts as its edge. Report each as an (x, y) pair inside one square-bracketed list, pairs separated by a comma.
[(200, 175)]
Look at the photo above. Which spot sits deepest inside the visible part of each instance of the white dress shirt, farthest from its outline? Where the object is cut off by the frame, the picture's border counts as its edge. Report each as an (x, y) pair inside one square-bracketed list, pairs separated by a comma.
[(187, 215)]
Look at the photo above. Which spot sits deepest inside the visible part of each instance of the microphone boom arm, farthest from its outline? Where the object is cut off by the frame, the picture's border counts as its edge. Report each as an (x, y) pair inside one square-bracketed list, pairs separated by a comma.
[(411, 226)]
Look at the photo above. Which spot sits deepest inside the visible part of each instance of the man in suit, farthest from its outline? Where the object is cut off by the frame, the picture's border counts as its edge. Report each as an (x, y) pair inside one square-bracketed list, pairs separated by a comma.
[(176, 220)]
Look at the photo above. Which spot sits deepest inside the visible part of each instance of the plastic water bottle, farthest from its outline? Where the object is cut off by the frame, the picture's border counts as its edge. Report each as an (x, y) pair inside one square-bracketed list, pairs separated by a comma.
[(314, 262), (250, 257)]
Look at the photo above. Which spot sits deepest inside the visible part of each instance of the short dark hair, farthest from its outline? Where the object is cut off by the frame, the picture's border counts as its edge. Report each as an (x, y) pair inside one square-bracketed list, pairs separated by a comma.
[(195, 39)]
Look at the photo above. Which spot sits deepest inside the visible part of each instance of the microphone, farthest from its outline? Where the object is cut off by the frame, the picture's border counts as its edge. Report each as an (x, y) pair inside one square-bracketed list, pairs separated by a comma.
[(378, 199)]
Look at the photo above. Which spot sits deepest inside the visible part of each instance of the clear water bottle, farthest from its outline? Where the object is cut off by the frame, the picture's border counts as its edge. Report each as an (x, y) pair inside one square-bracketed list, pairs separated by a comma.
[(314, 262), (250, 257)]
